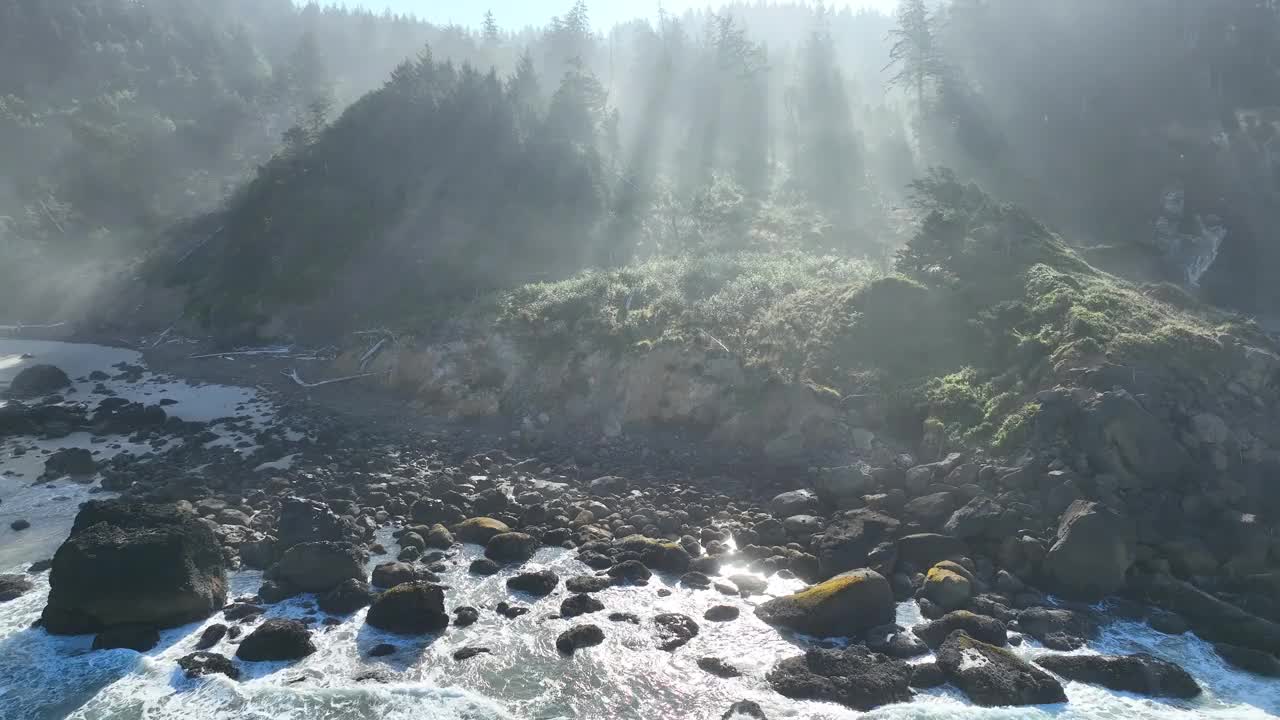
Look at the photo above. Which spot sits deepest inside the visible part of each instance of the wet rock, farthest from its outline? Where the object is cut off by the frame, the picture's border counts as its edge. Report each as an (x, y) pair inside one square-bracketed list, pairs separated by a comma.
[(139, 638), (1212, 618), (718, 667), (20, 524), (578, 637), (674, 630), (199, 664), (465, 615), (467, 653), (695, 580), (587, 583), (744, 710), (847, 542), (993, 676), (927, 675), (1141, 673), (40, 566), (241, 611), (979, 627), (749, 585), (576, 605), (211, 636), (540, 583), (70, 461), (630, 571), (624, 617), (1056, 628), (349, 596), (484, 567), (277, 639), (321, 566), (896, 643), (13, 586), (853, 676), (1092, 554), (38, 380), (129, 564), (479, 530), (412, 608), (430, 511), (1168, 623), (846, 605), (511, 547), (721, 613), (382, 650), (509, 611), (1249, 660), (391, 574), (273, 592), (661, 556), (304, 520)]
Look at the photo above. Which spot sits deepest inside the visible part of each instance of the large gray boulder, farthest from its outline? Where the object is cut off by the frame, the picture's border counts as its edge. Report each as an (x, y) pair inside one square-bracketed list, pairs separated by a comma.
[(277, 639), (844, 606), (409, 609), (995, 677), (38, 380), (1094, 550), (134, 564), (321, 566), (1122, 438)]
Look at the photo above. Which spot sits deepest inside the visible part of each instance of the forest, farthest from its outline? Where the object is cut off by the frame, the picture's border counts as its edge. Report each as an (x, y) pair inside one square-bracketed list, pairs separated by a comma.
[(264, 154)]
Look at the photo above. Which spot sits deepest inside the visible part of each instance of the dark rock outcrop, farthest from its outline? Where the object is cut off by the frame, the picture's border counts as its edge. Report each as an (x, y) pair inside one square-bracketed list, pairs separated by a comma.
[(978, 627), (13, 587), (349, 596), (1141, 673), (578, 637), (847, 542), (321, 566), (199, 664), (277, 639), (540, 583), (1249, 660), (411, 608), (511, 547), (130, 564), (1094, 549), (853, 676), (674, 630), (576, 605), (38, 380), (139, 638), (993, 676)]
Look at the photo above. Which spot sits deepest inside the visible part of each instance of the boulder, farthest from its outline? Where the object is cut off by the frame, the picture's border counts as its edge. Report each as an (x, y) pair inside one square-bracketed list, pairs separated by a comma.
[(391, 574), (981, 517), (744, 710), (578, 637), (465, 615), (199, 664), (412, 608), (932, 509), (947, 588), (479, 530), (924, 550), (304, 520), (796, 502), (1141, 673), (587, 583), (38, 380), (927, 675), (852, 676), (132, 564), (674, 630), (70, 461), (576, 605), (1094, 549), (211, 636), (540, 583), (13, 587), (630, 571), (510, 547), (1057, 628), (668, 557), (277, 639), (980, 627), (846, 605), (721, 613), (718, 667), (1121, 438), (321, 566), (993, 676), (347, 597), (439, 537), (1249, 660), (847, 542)]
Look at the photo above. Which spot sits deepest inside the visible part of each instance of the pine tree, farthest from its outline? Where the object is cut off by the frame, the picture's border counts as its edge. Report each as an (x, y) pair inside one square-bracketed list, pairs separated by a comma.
[(489, 30), (915, 51)]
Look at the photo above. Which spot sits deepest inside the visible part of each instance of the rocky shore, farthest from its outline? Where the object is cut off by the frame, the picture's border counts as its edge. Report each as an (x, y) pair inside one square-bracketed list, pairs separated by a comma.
[(994, 556)]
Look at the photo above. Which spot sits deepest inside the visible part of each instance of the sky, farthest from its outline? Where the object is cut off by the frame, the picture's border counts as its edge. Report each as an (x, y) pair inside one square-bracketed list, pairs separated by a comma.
[(516, 14)]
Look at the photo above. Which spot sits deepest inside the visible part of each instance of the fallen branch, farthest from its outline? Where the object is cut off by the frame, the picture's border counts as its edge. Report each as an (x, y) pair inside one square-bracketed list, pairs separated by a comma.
[(717, 341), (372, 352), (293, 375), (163, 335), (268, 351)]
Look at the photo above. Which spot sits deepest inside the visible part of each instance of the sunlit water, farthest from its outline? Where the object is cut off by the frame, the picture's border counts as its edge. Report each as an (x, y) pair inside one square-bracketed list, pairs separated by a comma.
[(524, 676)]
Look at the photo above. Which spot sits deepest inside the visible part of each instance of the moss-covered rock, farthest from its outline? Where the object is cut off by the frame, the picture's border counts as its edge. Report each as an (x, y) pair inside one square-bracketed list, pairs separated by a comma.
[(479, 530), (410, 608), (663, 556), (846, 605), (993, 676), (946, 588)]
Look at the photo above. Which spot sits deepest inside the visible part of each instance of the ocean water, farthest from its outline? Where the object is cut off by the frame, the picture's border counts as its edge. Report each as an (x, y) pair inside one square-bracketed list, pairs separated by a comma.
[(44, 677)]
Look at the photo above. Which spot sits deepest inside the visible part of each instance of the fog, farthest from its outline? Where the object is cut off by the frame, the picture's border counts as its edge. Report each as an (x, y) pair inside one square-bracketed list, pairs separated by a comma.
[(259, 154)]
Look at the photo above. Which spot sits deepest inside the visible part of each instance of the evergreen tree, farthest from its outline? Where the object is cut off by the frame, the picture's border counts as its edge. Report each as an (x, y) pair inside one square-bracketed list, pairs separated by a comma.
[(915, 51)]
